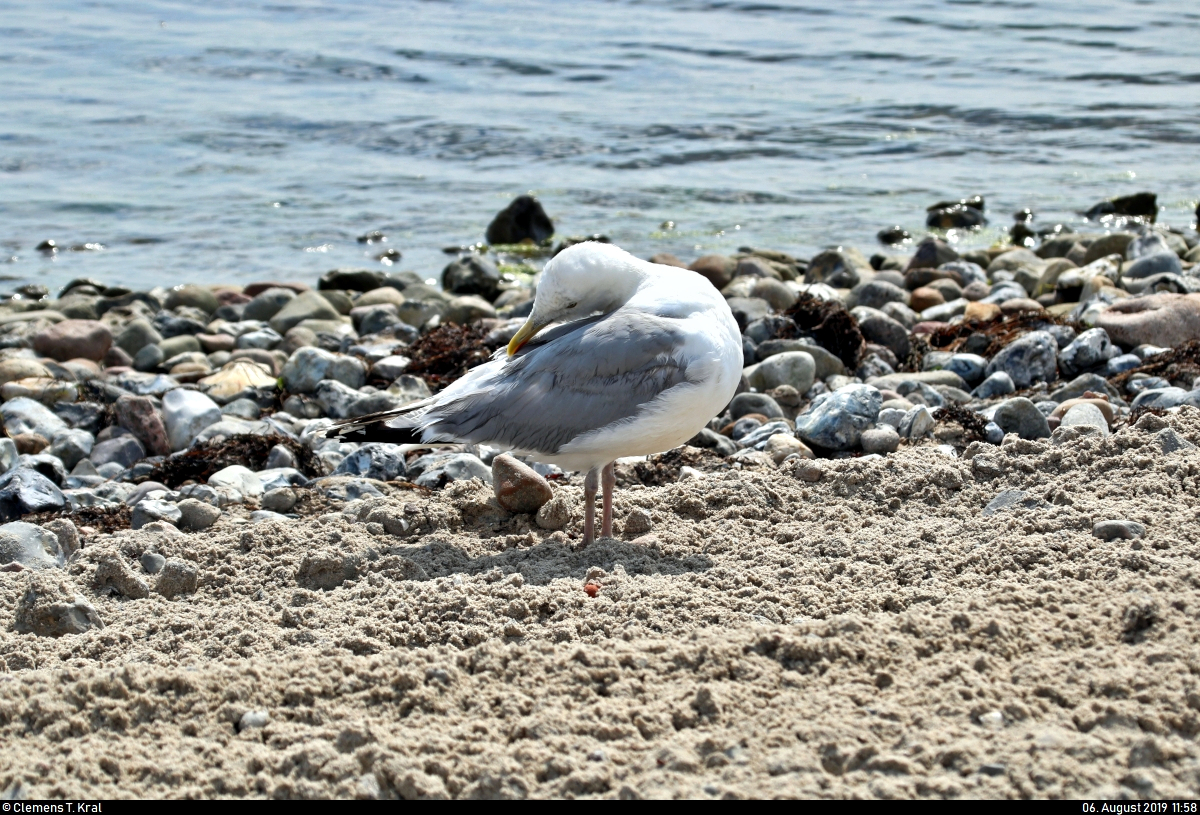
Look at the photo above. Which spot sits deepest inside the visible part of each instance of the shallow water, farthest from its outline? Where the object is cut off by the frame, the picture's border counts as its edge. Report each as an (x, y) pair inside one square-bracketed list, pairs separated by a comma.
[(234, 141)]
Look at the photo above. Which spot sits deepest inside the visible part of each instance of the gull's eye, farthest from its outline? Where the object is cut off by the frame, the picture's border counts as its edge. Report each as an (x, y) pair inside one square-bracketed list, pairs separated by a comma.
[(572, 305)]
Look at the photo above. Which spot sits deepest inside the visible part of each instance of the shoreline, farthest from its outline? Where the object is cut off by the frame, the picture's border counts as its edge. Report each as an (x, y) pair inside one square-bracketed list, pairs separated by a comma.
[(933, 548)]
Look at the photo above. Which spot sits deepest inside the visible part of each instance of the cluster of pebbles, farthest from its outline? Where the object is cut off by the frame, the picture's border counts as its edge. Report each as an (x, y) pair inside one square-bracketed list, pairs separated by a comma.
[(106, 391)]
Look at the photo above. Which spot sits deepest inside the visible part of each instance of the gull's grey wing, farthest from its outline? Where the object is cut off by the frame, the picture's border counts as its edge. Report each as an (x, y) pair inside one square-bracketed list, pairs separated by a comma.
[(581, 377)]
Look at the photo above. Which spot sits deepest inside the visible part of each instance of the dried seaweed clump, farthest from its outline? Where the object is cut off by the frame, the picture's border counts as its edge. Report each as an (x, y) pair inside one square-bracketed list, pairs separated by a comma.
[(988, 337), (1182, 363), (663, 469), (201, 461), (447, 352), (830, 324), (974, 426)]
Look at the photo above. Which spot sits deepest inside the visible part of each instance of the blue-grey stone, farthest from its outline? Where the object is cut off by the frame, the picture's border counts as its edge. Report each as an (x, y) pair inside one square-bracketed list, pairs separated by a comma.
[(1028, 359), (1159, 263), (1085, 414), (917, 423), (453, 467), (891, 416), (749, 354), (880, 328), (1021, 416), (123, 450), (745, 403), (1169, 441), (743, 427), (920, 393), (1118, 530), (835, 421), (49, 466), (1125, 362), (1086, 351), (969, 366), (1064, 335), (1010, 499), (998, 384), (30, 545), (377, 460), (23, 491), (758, 438), (1136, 386), (149, 510), (993, 433), (1165, 398), (25, 415), (968, 271)]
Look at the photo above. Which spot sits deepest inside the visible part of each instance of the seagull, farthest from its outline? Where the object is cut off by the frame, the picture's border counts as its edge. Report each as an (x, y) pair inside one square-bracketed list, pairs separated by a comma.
[(619, 357)]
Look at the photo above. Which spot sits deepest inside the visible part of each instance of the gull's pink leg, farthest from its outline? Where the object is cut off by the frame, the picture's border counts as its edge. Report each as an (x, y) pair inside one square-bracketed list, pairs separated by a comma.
[(589, 505), (608, 478)]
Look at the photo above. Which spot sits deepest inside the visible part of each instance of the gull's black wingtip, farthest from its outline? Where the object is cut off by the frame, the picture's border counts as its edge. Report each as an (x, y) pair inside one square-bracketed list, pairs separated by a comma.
[(363, 431)]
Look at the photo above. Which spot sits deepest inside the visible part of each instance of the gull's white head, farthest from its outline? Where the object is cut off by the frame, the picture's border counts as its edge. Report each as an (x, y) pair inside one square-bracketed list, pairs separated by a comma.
[(580, 281)]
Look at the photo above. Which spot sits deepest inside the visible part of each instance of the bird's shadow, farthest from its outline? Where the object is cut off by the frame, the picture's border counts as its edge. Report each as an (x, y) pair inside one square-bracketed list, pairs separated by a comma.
[(550, 560)]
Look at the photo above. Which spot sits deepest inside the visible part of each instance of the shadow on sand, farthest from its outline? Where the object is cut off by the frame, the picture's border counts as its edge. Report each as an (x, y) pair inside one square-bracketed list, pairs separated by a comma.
[(550, 560)]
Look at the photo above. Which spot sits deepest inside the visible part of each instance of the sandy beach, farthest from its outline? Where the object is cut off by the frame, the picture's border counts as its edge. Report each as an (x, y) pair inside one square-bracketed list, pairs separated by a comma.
[(876, 632)]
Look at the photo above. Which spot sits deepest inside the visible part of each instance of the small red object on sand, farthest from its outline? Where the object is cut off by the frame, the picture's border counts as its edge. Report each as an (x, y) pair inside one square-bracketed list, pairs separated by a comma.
[(592, 589)]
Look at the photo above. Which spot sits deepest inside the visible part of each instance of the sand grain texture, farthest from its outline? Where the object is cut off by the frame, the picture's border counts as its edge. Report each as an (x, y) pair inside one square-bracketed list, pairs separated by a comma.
[(872, 633)]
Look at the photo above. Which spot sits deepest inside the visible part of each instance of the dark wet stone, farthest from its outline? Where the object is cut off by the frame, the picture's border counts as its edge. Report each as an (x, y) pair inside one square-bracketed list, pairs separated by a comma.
[(473, 274), (23, 491), (523, 219), (352, 280)]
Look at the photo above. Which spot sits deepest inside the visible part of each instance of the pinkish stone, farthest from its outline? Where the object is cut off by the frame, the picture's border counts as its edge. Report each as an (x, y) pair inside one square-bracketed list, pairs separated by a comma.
[(518, 487), (137, 415), (1165, 320), (89, 339)]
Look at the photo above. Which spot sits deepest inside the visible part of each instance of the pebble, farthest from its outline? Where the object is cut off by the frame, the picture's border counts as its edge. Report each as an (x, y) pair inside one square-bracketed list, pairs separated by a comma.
[(780, 446), (1085, 414), (149, 510), (835, 421), (124, 451), (1021, 416), (917, 423), (1086, 351), (308, 367), (794, 368), (152, 562), (881, 439), (1168, 441), (30, 545), (517, 487), (279, 499), (760, 403), (71, 339), (451, 466), (197, 515), (185, 414), (1028, 359), (71, 447), (1118, 530), (305, 306), (237, 477), (382, 462), (997, 384), (138, 415), (23, 491), (25, 415)]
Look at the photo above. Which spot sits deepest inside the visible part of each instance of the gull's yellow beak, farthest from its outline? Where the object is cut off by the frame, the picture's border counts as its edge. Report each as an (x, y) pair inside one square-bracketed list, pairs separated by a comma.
[(524, 335)]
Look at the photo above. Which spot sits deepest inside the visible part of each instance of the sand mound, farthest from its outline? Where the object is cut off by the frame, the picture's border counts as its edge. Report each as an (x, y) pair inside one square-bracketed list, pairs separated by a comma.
[(915, 626)]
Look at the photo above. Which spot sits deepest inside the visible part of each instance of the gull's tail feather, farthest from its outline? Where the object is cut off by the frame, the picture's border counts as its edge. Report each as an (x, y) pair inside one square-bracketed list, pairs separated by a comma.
[(399, 426)]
